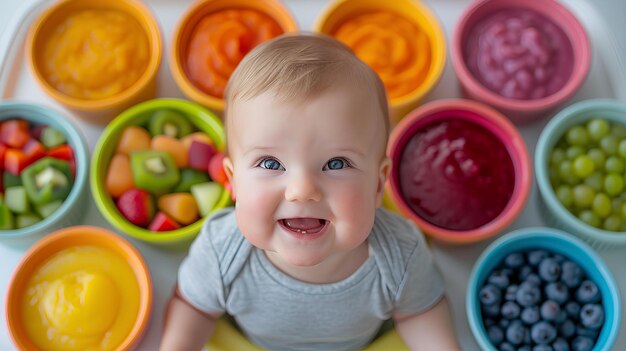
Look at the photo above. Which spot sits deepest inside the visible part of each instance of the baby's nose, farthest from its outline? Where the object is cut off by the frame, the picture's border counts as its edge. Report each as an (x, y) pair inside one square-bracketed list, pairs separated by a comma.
[(302, 187)]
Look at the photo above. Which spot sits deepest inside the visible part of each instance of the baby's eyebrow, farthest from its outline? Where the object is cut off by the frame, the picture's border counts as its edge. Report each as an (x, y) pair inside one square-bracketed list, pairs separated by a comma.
[(251, 148)]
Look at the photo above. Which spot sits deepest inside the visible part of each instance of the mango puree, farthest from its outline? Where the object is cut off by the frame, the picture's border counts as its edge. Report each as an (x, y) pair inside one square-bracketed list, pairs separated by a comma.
[(95, 54), (391, 45), (82, 298)]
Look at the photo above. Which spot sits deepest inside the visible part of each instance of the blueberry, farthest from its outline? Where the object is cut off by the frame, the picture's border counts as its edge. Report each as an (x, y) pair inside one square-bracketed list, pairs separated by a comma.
[(586, 332), (524, 272), (528, 294), (543, 348), (504, 323), (535, 256), (543, 332), (567, 329), (592, 316), (490, 295), (500, 278), (549, 270), (530, 315), (533, 278), (550, 310), (561, 317), (524, 348), (588, 292), (514, 260), (509, 295), (571, 274), (510, 310), (495, 334), (582, 343), (560, 344), (491, 310), (558, 258), (557, 291), (516, 332), (505, 346), (573, 310)]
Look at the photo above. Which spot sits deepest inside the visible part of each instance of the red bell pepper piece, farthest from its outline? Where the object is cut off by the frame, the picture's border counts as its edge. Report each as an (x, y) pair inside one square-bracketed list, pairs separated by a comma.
[(14, 133), (33, 150), (3, 150), (63, 152), (15, 161), (163, 223)]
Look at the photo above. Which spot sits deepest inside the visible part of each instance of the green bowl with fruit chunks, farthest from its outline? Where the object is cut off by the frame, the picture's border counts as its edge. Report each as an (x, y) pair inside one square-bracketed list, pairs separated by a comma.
[(149, 116), (580, 164), (39, 192)]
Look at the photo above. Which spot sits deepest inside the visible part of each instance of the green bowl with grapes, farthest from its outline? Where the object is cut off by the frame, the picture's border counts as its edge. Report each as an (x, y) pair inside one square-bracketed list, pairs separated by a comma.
[(580, 166)]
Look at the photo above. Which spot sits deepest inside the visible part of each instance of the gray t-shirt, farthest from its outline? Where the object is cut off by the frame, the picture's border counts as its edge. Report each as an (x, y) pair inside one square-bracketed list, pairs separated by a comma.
[(225, 273)]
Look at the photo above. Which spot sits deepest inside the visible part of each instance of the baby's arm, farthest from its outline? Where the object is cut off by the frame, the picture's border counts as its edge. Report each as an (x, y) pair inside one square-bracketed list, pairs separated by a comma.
[(186, 328), (430, 330)]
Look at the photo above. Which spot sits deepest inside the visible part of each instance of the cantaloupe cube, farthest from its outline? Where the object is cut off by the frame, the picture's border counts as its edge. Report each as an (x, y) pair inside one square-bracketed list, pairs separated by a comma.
[(172, 146), (181, 207), (119, 176), (133, 138)]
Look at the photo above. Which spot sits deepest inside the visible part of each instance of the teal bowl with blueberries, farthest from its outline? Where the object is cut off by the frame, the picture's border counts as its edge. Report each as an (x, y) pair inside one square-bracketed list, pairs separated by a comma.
[(580, 166), (542, 289)]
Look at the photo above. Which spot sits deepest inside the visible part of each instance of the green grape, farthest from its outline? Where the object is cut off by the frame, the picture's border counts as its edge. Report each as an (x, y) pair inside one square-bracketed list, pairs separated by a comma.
[(613, 184), (623, 212), (595, 181), (583, 166), (590, 218), (597, 156), (609, 144), (602, 205), (583, 195), (553, 174), (558, 156), (618, 130), (566, 173), (577, 135), (612, 223), (621, 149), (597, 128), (574, 151), (614, 164), (565, 195)]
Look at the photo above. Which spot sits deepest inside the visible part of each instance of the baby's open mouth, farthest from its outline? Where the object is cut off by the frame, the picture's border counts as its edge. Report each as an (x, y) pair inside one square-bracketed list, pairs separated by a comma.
[(303, 225)]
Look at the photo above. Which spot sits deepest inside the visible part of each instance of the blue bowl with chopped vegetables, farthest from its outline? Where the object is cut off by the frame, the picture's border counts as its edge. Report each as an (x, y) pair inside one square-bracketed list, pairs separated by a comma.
[(43, 166), (542, 286)]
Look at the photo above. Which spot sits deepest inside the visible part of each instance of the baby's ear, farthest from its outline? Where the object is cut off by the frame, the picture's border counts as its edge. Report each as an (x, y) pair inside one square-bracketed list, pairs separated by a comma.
[(227, 163), (383, 174)]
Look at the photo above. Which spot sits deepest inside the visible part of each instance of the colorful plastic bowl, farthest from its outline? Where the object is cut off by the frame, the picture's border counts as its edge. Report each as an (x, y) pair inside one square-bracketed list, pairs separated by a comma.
[(553, 212), (199, 116), (490, 120), (554, 241), (72, 210), (521, 111), (182, 35), (341, 10), (68, 238), (102, 110)]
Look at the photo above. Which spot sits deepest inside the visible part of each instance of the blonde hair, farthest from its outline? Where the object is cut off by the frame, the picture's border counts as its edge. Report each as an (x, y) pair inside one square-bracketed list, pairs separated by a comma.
[(298, 67)]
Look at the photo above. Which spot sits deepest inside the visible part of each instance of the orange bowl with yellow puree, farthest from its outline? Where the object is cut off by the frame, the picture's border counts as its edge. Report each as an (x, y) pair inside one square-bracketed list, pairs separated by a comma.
[(214, 36), (80, 288), (401, 40), (96, 57)]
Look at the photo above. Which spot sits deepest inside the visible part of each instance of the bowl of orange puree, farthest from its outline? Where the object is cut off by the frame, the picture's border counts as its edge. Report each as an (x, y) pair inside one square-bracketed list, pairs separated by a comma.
[(95, 57), (401, 40), (80, 288), (212, 38)]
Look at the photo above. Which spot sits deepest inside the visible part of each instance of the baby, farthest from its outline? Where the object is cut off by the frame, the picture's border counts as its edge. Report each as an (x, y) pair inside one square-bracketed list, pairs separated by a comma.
[(307, 260)]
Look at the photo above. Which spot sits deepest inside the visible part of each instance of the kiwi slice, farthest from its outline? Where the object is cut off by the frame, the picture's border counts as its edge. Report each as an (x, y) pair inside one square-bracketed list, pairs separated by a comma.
[(170, 123)]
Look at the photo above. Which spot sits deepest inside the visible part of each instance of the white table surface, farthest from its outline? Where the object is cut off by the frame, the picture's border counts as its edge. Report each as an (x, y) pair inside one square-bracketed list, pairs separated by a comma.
[(455, 258)]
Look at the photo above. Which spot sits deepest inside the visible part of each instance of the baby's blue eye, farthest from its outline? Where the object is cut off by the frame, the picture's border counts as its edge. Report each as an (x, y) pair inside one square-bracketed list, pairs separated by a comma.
[(336, 163), (272, 164)]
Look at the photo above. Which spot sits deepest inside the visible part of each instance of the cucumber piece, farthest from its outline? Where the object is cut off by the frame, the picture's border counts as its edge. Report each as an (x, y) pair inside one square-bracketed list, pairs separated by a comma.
[(26, 220), (17, 199), (6, 217), (46, 210), (51, 137), (10, 180)]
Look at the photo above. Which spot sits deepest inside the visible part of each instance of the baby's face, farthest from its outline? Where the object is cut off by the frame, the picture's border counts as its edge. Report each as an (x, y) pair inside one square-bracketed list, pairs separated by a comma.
[(307, 176)]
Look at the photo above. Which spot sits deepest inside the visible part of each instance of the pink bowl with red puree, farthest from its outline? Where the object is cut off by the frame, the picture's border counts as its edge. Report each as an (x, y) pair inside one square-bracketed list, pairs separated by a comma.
[(522, 57), (460, 171)]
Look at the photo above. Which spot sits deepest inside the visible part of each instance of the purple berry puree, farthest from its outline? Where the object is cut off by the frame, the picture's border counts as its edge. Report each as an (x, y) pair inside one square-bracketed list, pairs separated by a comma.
[(456, 175), (519, 54)]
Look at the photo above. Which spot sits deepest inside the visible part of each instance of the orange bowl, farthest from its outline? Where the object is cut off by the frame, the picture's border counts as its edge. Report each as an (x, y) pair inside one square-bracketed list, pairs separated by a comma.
[(96, 110), (185, 28), (63, 239)]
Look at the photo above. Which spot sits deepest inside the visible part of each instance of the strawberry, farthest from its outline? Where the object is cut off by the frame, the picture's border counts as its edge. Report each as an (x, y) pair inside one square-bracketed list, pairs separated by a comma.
[(163, 223), (137, 206), (216, 169), (200, 154)]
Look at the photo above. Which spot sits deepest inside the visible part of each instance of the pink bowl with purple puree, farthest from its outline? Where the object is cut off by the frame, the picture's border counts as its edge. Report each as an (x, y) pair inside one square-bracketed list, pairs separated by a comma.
[(524, 58), (461, 170)]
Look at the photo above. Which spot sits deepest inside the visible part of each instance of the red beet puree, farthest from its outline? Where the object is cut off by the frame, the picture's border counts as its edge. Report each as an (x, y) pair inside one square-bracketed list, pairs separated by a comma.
[(456, 175), (519, 54)]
